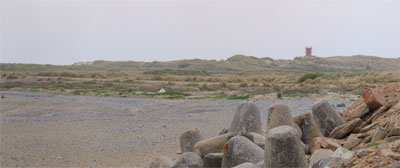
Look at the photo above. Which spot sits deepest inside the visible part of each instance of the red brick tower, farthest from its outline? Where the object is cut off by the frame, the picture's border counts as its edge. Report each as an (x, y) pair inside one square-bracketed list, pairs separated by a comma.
[(308, 51)]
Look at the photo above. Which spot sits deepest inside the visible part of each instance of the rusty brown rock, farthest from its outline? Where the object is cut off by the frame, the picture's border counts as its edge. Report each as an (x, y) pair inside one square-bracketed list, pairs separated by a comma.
[(345, 129), (356, 110), (373, 98), (322, 143), (352, 141)]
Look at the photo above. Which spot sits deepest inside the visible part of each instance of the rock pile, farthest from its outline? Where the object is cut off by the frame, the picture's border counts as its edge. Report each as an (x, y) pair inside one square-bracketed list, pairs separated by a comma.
[(321, 138)]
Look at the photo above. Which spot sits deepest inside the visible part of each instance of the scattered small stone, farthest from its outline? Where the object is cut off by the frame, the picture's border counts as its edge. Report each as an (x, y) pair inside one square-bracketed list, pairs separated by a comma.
[(343, 153), (362, 152), (341, 105), (320, 154)]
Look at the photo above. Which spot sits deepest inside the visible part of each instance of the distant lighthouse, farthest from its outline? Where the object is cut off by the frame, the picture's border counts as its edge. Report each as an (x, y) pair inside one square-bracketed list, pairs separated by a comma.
[(308, 51)]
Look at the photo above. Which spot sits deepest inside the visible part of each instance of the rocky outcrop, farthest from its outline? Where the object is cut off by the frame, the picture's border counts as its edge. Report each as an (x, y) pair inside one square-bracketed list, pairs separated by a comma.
[(247, 119), (326, 117), (282, 148)]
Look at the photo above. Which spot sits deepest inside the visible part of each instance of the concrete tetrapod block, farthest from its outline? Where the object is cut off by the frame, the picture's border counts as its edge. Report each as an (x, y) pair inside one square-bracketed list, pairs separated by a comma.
[(247, 119), (188, 138), (326, 117), (279, 114), (240, 150), (282, 148)]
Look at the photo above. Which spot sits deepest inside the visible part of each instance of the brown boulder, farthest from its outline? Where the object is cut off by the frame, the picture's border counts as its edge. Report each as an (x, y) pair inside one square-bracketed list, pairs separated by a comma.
[(356, 110), (323, 143), (352, 141), (345, 129), (212, 145), (373, 98)]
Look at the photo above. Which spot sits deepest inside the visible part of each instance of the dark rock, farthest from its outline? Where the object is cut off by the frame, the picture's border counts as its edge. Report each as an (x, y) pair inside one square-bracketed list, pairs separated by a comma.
[(326, 117), (213, 160)]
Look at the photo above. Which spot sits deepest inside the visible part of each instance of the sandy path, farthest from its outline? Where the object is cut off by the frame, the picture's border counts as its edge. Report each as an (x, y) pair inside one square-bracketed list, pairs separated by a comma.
[(39, 129)]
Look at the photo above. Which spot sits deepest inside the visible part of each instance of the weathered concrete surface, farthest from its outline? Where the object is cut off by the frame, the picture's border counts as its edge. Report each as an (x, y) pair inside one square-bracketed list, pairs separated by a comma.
[(279, 114), (213, 160), (247, 119), (190, 160), (282, 148), (188, 138), (162, 162), (246, 165), (239, 150), (326, 117), (308, 127)]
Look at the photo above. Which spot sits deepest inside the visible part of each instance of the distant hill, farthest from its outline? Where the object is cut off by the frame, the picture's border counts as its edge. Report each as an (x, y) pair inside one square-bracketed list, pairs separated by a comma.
[(234, 64)]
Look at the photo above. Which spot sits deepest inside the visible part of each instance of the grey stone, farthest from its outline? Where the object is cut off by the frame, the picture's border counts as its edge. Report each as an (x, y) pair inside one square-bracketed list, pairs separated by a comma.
[(247, 119), (331, 162), (308, 127), (362, 152), (341, 105), (395, 131), (261, 164), (213, 160), (223, 131), (283, 149), (279, 114), (258, 139), (162, 162), (246, 165), (212, 145), (395, 164), (189, 160), (392, 138), (345, 129), (239, 150), (188, 138), (343, 153), (320, 154), (379, 134), (326, 117)]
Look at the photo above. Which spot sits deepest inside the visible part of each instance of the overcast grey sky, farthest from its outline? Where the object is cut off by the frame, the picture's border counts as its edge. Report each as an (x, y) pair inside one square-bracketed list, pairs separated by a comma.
[(68, 31)]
